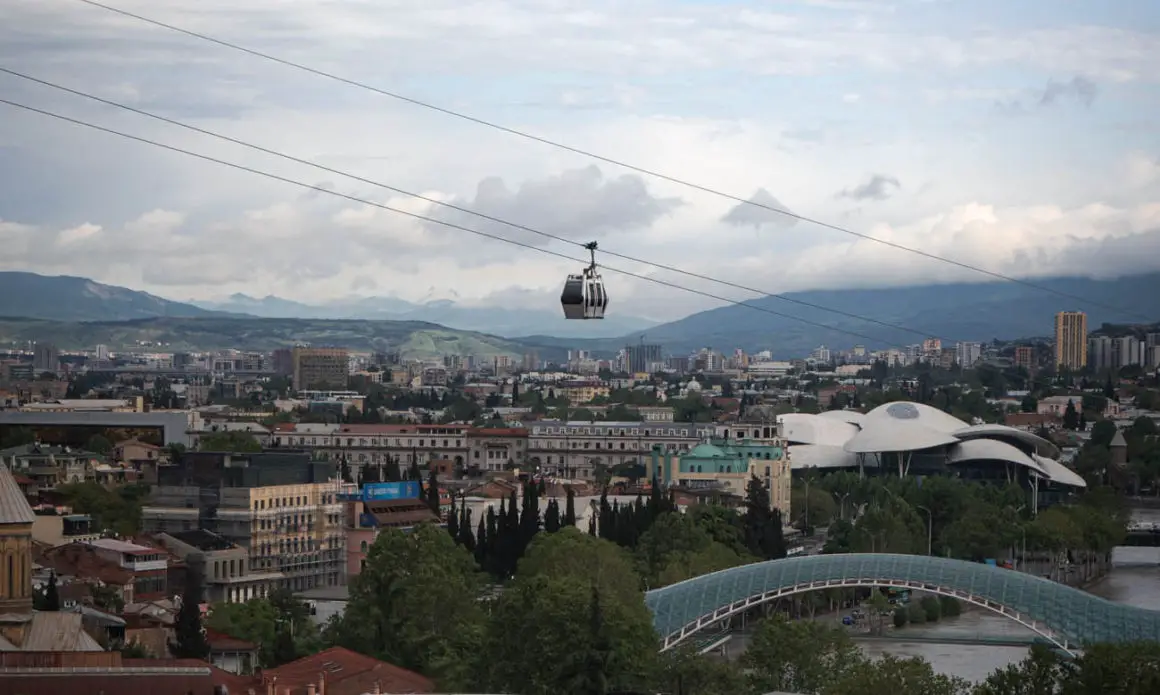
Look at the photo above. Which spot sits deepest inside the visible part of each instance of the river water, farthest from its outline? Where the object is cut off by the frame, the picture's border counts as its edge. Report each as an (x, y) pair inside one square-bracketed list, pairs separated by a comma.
[(1135, 586)]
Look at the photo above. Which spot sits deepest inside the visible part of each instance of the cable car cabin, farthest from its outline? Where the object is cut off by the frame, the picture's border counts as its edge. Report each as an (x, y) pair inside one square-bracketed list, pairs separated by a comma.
[(584, 296)]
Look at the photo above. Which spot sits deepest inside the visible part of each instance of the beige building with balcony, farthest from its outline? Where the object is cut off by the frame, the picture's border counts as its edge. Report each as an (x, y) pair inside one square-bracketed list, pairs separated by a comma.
[(281, 507)]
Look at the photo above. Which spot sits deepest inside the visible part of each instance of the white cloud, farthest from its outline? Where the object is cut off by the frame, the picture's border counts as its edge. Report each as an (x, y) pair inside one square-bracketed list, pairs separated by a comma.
[(730, 100)]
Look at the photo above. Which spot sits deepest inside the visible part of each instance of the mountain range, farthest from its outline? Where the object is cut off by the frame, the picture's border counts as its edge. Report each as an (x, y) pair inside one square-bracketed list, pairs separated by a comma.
[(76, 312), (508, 322)]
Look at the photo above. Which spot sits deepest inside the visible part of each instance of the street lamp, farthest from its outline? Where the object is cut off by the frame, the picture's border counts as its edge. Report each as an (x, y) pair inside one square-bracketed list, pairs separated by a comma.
[(929, 527)]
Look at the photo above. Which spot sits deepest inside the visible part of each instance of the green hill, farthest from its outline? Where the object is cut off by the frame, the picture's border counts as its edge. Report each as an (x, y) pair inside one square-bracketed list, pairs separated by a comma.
[(414, 339)]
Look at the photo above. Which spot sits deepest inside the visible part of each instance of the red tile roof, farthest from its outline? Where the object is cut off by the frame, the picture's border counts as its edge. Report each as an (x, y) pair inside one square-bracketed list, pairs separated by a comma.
[(221, 642), (346, 673), (81, 561)]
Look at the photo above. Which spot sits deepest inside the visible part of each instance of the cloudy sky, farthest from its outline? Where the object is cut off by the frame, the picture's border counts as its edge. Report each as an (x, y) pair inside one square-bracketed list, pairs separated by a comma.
[(1020, 137)]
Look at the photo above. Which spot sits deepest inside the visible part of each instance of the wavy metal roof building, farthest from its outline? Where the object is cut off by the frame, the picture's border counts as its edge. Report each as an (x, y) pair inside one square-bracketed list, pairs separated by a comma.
[(895, 435)]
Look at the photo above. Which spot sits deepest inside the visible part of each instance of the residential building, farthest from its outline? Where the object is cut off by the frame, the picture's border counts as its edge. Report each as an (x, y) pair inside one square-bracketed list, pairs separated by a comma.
[(968, 353), (136, 572), (320, 369), (52, 530), (1071, 340), (579, 391), (363, 445), (726, 465), (642, 358), (45, 358), (281, 506), (377, 506), (48, 466), (223, 566), (495, 448), (578, 449), (1025, 357)]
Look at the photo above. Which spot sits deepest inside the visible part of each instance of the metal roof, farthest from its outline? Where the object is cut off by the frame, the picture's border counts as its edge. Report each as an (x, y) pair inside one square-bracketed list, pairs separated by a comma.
[(14, 507)]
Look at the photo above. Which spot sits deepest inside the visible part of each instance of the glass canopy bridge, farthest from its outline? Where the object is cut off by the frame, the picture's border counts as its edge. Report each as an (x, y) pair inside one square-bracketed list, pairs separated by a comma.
[(1067, 617)]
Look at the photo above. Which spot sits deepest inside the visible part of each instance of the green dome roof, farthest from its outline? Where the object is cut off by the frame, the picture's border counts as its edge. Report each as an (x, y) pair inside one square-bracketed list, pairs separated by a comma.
[(706, 451)]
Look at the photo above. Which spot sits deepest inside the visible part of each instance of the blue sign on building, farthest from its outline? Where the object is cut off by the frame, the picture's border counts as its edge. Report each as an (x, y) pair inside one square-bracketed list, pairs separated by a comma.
[(408, 489)]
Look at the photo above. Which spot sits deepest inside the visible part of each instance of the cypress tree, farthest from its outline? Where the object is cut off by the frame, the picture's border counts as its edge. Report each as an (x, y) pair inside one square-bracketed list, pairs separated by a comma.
[(762, 525), (189, 638), (1070, 417), (569, 509), (453, 520), (393, 474), (493, 545), (51, 594), (606, 523), (371, 474), (481, 542), (344, 470), (466, 537), (552, 517), (515, 393), (592, 525), (433, 494), (414, 473)]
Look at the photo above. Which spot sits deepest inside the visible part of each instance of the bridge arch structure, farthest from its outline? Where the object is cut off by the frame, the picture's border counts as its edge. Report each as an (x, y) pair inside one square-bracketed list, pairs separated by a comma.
[(1067, 617)]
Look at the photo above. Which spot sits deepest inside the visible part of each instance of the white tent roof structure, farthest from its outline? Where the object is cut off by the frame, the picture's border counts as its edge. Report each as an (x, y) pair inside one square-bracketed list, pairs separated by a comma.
[(803, 428), (992, 450), (839, 438)]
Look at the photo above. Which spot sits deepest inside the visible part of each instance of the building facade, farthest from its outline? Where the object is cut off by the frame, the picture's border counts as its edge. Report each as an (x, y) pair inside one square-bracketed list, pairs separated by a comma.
[(320, 369), (580, 449), (282, 507), (1071, 340)]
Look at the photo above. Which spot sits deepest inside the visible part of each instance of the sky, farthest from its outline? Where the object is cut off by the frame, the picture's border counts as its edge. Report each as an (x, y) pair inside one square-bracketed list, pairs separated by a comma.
[(1016, 137)]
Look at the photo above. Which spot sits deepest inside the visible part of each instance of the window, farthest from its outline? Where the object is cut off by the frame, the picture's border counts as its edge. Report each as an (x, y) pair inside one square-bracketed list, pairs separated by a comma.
[(363, 548)]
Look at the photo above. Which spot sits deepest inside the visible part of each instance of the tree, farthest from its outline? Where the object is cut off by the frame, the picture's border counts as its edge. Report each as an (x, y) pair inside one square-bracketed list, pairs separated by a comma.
[(799, 656), (1070, 416), (236, 442), (569, 518), (891, 675), (413, 472), (189, 638), (553, 628), (416, 604), (51, 595), (280, 624), (685, 672), (674, 548), (762, 525), (432, 494), (1041, 673), (98, 445), (344, 470), (552, 517)]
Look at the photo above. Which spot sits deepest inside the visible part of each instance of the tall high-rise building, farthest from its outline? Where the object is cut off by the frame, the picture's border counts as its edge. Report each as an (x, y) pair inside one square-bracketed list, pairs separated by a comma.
[(1025, 357), (320, 369), (1071, 341), (45, 358), (639, 358)]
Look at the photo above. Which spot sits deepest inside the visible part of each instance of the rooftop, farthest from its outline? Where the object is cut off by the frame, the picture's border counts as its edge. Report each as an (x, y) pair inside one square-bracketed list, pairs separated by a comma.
[(14, 507), (124, 547)]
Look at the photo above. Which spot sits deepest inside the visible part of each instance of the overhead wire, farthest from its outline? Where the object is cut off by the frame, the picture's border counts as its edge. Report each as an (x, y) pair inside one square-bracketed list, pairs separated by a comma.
[(226, 138), (606, 159), (432, 220)]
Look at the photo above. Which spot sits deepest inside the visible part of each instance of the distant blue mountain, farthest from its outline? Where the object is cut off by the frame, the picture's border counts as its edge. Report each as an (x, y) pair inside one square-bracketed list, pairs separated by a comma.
[(446, 312), (961, 311), (67, 298)]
